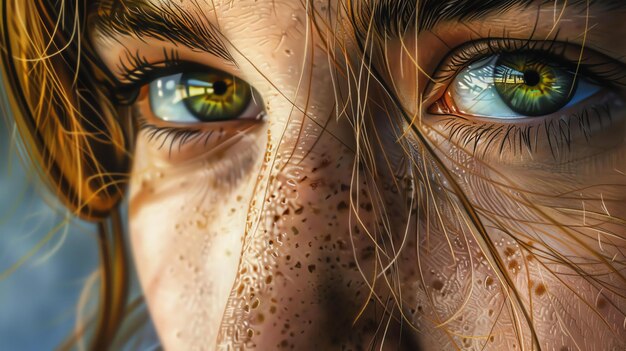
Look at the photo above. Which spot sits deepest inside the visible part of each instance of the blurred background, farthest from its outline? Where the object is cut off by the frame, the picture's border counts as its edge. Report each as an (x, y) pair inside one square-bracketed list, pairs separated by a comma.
[(46, 259)]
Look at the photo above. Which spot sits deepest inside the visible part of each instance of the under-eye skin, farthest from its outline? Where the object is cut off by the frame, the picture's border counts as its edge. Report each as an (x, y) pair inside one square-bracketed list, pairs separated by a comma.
[(496, 89)]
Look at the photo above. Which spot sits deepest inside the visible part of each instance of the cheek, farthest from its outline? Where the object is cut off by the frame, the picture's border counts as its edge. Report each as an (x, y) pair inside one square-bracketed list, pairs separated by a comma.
[(187, 224), (559, 236)]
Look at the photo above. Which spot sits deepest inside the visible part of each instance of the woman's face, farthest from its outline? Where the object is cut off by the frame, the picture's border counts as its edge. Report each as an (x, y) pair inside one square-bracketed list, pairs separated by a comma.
[(301, 205)]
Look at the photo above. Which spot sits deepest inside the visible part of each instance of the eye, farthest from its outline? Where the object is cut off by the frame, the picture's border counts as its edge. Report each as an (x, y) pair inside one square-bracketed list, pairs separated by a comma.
[(210, 96), (516, 85)]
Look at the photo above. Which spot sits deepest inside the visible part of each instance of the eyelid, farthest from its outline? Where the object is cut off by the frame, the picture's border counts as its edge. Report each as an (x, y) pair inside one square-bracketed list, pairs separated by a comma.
[(138, 71), (593, 65)]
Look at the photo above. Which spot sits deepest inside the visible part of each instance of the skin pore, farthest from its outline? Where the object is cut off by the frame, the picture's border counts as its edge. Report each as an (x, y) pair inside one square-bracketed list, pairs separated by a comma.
[(329, 223)]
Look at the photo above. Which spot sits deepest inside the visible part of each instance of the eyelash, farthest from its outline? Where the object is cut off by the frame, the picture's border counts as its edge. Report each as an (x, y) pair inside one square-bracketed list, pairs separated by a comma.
[(606, 73), (137, 73), (172, 135), (518, 137)]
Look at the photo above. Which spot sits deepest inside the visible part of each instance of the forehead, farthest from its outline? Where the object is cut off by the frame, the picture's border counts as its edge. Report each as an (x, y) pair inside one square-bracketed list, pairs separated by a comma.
[(389, 13)]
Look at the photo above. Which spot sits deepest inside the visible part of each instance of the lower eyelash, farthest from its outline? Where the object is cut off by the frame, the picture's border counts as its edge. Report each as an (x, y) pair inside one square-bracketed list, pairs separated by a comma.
[(171, 136), (524, 138)]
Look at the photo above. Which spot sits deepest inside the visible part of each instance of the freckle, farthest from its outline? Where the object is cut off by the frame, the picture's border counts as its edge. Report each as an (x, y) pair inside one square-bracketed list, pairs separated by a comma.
[(342, 206), (327, 237), (540, 289), (256, 303), (601, 303), (513, 264), (260, 317), (268, 280), (295, 230), (488, 281), (509, 252), (437, 285), (273, 309), (311, 268), (298, 264)]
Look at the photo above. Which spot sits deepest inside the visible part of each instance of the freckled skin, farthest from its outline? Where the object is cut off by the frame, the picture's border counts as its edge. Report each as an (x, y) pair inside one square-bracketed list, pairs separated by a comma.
[(278, 241)]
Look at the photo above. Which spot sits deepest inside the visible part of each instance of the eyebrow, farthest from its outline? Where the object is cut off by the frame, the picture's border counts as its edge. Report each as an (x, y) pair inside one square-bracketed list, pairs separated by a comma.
[(392, 17), (166, 22)]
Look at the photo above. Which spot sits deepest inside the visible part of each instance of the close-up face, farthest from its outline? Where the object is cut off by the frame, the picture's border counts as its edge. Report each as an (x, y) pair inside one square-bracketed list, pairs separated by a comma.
[(356, 175)]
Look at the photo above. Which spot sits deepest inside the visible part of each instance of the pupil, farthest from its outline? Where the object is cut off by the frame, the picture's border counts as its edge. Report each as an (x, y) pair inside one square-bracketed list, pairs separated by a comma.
[(531, 78), (219, 87)]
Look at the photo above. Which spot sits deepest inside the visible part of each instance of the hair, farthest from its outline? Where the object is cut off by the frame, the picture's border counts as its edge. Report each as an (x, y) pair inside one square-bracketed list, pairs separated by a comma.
[(80, 141), (70, 130)]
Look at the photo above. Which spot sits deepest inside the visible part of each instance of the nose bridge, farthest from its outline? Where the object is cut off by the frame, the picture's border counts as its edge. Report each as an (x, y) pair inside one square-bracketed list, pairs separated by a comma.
[(297, 247), (300, 280), (305, 276)]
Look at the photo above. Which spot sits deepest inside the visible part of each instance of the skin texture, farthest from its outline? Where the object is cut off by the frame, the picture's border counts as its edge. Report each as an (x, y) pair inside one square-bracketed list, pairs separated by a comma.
[(308, 231)]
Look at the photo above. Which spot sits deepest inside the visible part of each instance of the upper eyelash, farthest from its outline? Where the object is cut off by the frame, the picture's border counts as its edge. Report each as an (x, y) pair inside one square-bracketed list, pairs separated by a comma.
[(606, 70), (138, 71), (138, 67)]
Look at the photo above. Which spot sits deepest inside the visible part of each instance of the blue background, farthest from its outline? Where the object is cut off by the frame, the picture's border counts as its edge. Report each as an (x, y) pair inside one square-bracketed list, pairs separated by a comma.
[(38, 297)]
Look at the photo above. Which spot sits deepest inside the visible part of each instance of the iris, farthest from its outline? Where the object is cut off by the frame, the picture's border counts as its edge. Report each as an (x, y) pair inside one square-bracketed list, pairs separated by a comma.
[(517, 85), (215, 96), (199, 97), (531, 85)]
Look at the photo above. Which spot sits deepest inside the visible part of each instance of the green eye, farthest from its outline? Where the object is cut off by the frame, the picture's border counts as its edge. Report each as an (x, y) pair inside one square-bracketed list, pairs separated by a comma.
[(215, 96), (531, 85), (518, 84), (200, 97)]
